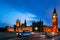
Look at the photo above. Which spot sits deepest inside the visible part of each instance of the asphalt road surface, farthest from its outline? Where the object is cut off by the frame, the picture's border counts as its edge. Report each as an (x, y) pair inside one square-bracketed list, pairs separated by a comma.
[(12, 36)]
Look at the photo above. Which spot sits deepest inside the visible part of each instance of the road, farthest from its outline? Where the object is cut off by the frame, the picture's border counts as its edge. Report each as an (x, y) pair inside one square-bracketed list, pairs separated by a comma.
[(12, 36)]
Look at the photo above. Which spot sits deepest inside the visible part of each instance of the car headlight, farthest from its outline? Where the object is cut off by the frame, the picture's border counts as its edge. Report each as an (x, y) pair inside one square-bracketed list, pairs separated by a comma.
[(16, 33), (20, 34)]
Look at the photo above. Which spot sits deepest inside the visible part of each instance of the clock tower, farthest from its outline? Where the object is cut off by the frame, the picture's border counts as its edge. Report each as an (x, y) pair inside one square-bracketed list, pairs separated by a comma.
[(54, 21)]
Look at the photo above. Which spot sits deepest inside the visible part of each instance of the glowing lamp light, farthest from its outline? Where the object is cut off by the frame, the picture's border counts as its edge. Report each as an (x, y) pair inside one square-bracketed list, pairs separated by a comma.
[(36, 28), (16, 33)]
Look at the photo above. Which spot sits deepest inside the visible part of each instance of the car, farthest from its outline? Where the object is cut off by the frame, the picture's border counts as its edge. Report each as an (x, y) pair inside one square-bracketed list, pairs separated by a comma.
[(43, 33), (24, 33), (18, 34), (32, 33), (52, 33)]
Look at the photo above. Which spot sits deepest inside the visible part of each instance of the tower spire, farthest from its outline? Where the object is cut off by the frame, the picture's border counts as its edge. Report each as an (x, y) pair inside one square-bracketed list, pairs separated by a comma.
[(25, 23), (54, 11)]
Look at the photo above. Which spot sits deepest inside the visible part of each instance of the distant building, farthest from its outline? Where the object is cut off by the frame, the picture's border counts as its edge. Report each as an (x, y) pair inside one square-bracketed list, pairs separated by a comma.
[(47, 28), (37, 26), (54, 27), (2, 29), (10, 29), (17, 23), (25, 24), (19, 28)]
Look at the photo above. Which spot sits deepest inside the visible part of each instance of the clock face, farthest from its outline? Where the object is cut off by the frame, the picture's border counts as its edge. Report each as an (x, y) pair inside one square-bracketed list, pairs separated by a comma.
[(54, 16)]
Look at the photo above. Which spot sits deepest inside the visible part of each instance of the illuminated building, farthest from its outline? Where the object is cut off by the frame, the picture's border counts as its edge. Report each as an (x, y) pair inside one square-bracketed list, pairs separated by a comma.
[(47, 28), (55, 21), (19, 28), (37, 26), (54, 27), (18, 23), (10, 29)]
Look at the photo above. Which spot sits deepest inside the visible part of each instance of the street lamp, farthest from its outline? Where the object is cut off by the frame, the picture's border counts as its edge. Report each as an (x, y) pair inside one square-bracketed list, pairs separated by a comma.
[(36, 28)]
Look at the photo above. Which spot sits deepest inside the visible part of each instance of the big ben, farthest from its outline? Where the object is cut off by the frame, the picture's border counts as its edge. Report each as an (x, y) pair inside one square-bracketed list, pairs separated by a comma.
[(54, 21)]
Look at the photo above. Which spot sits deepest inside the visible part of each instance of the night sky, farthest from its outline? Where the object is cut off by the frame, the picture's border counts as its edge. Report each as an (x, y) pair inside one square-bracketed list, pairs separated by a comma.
[(31, 10)]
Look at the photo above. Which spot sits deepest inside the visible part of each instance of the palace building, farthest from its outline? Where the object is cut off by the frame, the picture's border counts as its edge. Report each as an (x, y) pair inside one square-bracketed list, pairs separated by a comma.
[(36, 26), (18, 27)]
